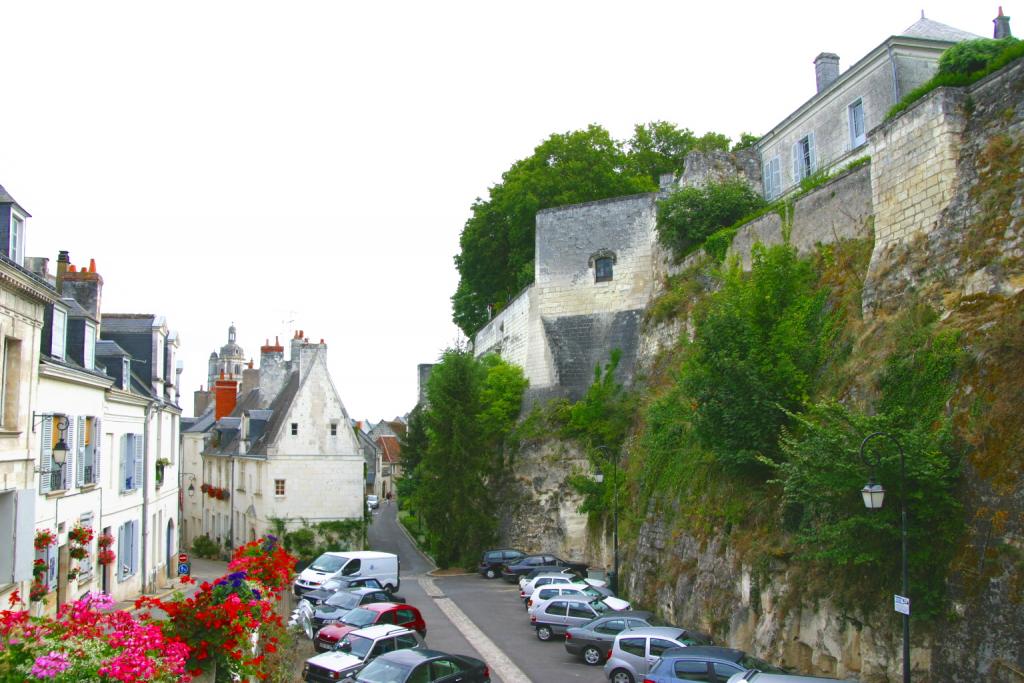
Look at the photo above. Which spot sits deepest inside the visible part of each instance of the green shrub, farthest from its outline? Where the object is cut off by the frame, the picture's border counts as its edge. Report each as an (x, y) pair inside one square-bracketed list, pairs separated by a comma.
[(204, 546), (687, 217), (718, 243)]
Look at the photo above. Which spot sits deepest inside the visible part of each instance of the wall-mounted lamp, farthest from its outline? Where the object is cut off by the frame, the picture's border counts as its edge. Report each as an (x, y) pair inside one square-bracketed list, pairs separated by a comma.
[(60, 449)]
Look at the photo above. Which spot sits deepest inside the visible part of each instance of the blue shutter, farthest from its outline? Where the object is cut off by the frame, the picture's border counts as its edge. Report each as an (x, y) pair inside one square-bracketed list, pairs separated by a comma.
[(796, 163), (79, 449), (139, 461), (813, 153), (135, 547), (46, 459), (69, 441), (97, 429), (121, 548)]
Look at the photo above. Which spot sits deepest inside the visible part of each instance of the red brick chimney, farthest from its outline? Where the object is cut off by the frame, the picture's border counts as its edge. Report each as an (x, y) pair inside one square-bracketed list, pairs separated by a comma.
[(225, 395)]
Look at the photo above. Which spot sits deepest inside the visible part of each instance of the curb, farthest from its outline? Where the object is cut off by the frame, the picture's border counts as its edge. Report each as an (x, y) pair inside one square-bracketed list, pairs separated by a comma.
[(415, 545)]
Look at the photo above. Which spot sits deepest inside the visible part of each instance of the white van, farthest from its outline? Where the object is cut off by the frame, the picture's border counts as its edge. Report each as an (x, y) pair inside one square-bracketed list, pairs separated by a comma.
[(385, 567)]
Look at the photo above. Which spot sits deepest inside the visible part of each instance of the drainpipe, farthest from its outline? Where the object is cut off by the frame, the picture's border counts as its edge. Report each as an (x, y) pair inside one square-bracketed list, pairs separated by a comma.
[(145, 494)]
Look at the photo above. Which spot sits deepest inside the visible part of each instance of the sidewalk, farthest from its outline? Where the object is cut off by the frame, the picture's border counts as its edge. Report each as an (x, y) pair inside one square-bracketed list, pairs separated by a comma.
[(202, 570)]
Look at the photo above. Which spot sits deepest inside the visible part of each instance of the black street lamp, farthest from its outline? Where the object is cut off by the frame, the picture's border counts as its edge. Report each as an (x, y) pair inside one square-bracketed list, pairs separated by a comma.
[(873, 495), (599, 477)]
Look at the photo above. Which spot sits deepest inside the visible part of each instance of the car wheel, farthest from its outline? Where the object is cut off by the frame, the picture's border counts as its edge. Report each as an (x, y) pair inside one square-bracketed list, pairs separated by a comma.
[(389, 589), (491, 574), (592, 656), (544, 633), (621, 676), (307, 627)]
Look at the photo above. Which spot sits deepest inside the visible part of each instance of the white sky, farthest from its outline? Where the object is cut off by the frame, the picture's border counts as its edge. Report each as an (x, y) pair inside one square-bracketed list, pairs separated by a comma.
[(315, 162)]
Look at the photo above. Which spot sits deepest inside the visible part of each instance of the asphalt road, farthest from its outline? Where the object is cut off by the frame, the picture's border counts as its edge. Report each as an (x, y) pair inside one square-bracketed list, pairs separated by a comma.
[(468, 614)]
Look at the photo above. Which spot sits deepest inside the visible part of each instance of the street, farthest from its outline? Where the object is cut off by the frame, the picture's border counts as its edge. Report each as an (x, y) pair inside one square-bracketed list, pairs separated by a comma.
[(468, 614)]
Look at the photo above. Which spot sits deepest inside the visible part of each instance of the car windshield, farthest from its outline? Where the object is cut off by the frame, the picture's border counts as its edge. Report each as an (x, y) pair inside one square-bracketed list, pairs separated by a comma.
[(360, 617), (383, 671), (748, 662), (599, 606), (357, 645), (344, 599), (333, 585), (327, 563), (589, 590)]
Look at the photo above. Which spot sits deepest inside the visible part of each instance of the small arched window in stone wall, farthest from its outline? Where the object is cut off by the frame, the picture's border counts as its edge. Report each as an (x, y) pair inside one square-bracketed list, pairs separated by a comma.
[(603, 263)]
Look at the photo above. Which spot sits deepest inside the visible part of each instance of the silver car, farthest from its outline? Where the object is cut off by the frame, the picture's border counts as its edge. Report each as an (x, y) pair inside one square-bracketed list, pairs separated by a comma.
[(554, 616), (636, 650)]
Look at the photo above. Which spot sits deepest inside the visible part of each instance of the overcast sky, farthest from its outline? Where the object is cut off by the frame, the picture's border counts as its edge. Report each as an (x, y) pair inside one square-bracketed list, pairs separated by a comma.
[(310, 165)]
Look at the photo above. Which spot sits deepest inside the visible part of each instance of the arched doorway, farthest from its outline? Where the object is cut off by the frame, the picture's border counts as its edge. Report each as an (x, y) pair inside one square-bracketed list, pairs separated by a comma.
[(172, 564)]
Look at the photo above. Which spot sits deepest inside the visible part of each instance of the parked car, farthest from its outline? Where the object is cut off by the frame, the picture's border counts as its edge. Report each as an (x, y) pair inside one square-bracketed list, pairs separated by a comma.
[(372, 502), (545, 593), (385, 567), (636, 650), (755, 676), (553, 570), (342, 583), (513, 571), (492, 561), (528, 586), (553, 617), (314, 617), (421, 664), (593, 640), (704, 663), (367, 615), (356, 649)]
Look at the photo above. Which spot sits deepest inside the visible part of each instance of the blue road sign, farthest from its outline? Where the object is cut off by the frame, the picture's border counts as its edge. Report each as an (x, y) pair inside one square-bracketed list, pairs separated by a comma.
[(184, 568)]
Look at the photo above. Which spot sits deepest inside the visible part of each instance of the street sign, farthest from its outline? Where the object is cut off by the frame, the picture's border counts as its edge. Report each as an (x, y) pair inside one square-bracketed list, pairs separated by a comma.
[(182, 557), (184, 569), (902, 604)]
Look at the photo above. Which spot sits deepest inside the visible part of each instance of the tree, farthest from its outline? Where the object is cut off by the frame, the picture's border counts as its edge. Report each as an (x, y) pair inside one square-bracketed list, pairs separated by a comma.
[(414, 444), (689, 216), (657, 148), (496, 247)]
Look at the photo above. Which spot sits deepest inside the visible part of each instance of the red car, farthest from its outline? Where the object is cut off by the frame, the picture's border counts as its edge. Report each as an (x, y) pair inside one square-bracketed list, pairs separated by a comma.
[(367, 615)]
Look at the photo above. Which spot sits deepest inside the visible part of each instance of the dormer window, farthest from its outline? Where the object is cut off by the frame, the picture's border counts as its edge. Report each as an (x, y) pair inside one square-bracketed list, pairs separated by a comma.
[(58, 333), (126, 370), (89, 353), (603, 269), (16, 246)]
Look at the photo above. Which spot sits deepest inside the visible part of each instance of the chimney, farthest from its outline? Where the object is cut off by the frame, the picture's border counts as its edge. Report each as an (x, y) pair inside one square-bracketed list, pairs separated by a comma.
[(295, 346), (38, 265), (84, 285), (200, 402), (1002, 26), (307, 356), (63, 261), (250, 379), (225, 395), (826, 69), (272, 370)]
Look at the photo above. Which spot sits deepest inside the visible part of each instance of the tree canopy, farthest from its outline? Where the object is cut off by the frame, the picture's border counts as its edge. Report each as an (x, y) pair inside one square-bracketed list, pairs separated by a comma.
[(496, 253)]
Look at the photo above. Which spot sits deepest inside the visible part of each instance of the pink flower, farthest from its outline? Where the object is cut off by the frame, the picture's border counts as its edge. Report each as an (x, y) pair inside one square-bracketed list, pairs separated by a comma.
[(50, 665)]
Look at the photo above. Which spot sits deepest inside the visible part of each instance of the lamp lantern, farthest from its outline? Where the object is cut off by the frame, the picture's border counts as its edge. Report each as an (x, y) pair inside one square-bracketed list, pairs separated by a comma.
[(873, 495)]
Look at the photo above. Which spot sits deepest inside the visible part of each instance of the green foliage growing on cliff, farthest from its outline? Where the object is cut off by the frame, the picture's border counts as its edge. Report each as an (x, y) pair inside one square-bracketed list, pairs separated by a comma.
[(467, 421), (965, 63), (495, 261), (688, 216), (757, 345)]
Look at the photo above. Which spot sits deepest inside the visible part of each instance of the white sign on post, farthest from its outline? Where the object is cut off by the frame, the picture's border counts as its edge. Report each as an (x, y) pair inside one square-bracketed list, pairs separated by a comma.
[(902, 604)]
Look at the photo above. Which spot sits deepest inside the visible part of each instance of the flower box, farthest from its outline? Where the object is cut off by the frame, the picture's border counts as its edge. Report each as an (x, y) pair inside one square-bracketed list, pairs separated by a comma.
[(78, 552), (80, 534), (105, 540), (106, 556), (44, 539)]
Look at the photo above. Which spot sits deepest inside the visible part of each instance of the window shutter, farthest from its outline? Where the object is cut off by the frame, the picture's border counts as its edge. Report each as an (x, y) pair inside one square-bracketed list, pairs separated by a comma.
[(96, 453), (813, 153), (796, 163), (72, 461), (80, 452), (135, 547), (24, 533), (120, 552), (139, 461), (46, 461), (123, 459)]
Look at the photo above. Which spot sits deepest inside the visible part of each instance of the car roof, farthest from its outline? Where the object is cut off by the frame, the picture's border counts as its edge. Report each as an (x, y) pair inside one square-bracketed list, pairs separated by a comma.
[(387, 606), (626, 614), (662, 631), (413, 655), (725, 653), (364, 590), (380, 630)]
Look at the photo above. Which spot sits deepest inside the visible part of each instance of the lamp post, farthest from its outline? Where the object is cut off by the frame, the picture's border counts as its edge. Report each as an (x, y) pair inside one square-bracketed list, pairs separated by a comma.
[(599, 477), (873, 495)]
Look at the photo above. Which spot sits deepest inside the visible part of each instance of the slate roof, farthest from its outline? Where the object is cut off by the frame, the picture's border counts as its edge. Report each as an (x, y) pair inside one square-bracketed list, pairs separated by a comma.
[(72, 365), (105, 347), (390, 449), (200, 424), (129, 322), (927, 28), (74, 309), (280, 408), (6, 198)]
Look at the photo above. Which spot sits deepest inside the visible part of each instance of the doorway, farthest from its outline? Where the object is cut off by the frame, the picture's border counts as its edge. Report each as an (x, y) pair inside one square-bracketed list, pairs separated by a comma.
[(172, 565)]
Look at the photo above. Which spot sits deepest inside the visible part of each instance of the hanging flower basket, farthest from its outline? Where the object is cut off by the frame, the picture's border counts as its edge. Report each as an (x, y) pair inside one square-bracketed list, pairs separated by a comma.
[(37, 592), (44, 539), (105, 540), (73, 573), (39, 569), (78, 552), (204, 488), (106, 556), (81, 535), (222, 494)]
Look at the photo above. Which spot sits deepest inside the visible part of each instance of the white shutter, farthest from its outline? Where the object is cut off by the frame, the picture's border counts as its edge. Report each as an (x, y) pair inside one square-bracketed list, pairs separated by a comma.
[(123, 458), (139, 462), (136, 544), (796, 163), (97, 454), (79, 449), (69, 441), (813, 153), (121, 546), (46, 459), (24, 533)]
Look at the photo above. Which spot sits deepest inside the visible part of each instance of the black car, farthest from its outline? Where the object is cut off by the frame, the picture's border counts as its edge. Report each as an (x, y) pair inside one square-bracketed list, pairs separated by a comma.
[(335, 607), (512, 572), (593, 640), (421, 664), (492, 561), (341, 583)]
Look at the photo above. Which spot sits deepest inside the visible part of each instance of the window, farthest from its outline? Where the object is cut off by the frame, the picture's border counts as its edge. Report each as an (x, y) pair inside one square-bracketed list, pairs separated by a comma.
[(54, 477), (603, 269), (241, 476), (557, 607), (612, 627), (12, 383), (89, 353), (158, 371), (279, 487), (579, 609), (633, 646), (857, 133), (58, 332), (385, 470), (443, 667), (772, 178), (88, 450), (126, 373), (724, 671), (85, 564), (804, 163), (334, 429), (128, 550), (130, 473), (658, 646), (17, 244), (295, 428), (693, 671)]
